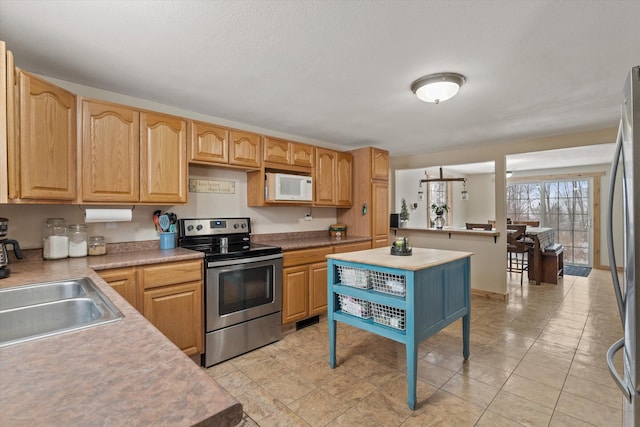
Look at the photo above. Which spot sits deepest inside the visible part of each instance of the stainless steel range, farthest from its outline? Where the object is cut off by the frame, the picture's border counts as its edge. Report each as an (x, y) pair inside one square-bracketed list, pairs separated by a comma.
[(243, 286)]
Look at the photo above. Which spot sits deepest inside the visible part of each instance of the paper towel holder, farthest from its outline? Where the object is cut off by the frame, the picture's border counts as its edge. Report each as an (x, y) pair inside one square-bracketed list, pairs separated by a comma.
[(84, 210), (108, 215)]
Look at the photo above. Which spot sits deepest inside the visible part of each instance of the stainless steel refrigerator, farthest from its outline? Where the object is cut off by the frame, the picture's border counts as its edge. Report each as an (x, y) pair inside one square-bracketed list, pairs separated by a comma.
[(627, 163)]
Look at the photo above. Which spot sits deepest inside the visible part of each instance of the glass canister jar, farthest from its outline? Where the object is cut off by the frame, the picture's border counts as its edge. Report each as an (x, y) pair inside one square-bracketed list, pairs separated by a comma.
[(97, 245), (55, 242), (77, 240)]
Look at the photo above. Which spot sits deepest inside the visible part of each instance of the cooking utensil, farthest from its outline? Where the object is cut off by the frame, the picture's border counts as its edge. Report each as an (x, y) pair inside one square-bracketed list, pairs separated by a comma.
[(156, 220), (164, 222)]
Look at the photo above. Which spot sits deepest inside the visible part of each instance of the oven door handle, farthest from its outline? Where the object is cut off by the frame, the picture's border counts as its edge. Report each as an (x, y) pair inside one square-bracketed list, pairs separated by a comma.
[(227, 262)]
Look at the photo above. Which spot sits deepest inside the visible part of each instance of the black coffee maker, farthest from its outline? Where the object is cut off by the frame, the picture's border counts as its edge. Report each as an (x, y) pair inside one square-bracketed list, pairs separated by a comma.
[(4, 254)]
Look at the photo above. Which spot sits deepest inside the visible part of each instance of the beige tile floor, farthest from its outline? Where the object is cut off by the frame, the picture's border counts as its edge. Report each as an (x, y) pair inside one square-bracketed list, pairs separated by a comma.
[(536, 360)]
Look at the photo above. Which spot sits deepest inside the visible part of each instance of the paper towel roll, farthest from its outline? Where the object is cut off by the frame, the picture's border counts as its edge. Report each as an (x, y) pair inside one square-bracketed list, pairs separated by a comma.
[(107, 215)]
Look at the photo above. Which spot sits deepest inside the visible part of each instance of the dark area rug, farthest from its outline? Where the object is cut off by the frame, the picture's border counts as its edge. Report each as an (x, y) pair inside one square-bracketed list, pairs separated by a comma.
[(573, 270)]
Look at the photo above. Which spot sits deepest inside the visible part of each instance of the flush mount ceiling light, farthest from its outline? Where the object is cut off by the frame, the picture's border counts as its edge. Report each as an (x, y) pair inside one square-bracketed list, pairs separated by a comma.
[(437, 87)]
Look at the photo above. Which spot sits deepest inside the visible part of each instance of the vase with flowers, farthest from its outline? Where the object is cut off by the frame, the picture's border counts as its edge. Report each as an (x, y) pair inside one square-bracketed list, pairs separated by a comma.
[(439, 210)]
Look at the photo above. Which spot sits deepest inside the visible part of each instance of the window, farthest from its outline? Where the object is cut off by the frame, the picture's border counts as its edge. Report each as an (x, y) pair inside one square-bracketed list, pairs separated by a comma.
[(438, 193), (564, 205)]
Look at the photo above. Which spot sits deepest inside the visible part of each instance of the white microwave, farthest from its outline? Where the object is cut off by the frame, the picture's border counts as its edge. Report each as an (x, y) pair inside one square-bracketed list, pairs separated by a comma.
[(286, 187)]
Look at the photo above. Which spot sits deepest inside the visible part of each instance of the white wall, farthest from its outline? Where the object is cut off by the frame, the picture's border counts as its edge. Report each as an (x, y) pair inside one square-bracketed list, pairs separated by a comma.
[(27, 221)]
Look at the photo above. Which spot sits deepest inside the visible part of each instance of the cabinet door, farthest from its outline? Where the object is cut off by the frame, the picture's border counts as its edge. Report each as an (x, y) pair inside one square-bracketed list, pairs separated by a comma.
[(177, 312), (245, 149), (343, 183), (277, 151), (295, 285), (209, 143), (325, 177), (47, 140), (110, 152), (163, 158), (379, 164), (317, 288), (380, 213), (123, 281), (301, 155)]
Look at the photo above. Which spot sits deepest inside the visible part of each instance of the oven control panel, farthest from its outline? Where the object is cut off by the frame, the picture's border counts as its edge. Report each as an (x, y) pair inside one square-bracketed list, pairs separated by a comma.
[(214, 226)]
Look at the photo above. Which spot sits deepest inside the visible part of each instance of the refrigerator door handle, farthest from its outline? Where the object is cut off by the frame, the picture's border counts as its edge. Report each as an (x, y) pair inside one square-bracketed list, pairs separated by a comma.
[(610, 248), (612, 369)]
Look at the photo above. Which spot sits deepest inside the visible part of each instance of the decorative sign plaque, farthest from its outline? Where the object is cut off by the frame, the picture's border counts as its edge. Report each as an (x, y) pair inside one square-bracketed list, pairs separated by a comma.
[(211, 186)]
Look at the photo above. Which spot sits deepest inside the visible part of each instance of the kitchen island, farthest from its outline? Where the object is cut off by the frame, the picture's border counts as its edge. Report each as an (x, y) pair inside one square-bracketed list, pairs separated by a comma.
[(403, 298), (121, 373)]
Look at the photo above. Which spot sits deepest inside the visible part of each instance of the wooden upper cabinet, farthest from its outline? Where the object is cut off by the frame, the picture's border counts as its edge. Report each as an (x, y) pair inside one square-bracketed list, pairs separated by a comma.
[(47, 147), (163, 158), (287, 152), (324, 177), (209, 143), (110, 152), (344, 175), (245, 149), (379, 164), (301, 154), (277, 151)]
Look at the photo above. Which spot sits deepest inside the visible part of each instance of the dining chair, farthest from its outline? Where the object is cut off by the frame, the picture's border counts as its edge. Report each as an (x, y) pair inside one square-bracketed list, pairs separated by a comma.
[(476, 226), (517, 246)]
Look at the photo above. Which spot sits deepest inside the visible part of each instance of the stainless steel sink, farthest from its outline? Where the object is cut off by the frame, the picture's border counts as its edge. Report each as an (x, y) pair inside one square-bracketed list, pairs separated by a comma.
[(44, 292), (45, 309)]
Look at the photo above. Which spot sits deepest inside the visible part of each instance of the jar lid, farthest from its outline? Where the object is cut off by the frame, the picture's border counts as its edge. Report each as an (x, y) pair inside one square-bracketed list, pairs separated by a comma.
[(77, 227), (96, 238)]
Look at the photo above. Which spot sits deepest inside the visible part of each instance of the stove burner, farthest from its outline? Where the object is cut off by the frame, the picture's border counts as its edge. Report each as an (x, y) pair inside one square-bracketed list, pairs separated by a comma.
[(221, 238)]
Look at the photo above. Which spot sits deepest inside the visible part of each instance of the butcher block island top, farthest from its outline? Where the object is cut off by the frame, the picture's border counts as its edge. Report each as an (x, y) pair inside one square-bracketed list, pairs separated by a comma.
[(420, 259), (123, 373)]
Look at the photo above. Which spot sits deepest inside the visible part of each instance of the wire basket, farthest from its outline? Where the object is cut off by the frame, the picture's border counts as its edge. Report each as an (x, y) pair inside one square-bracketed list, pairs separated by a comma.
[(393, 284), (355, 306), (355, 277), (388, 316)]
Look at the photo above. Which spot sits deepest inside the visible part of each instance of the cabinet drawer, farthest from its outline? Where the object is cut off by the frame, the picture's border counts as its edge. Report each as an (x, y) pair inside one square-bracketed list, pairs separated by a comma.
[(350, 247), (306, 256), (171, 273)]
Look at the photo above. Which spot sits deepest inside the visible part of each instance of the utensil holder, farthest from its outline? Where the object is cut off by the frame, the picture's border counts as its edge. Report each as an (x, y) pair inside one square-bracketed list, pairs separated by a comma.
[(167, 240)]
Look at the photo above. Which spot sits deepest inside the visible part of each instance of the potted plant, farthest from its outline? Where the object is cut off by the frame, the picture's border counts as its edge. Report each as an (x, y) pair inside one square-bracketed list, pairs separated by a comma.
[(404, 213), (439, 210)]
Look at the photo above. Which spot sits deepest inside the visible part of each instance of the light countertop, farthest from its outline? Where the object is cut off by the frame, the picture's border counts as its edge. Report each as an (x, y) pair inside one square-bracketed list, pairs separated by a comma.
[(122, 373), (420, 259)]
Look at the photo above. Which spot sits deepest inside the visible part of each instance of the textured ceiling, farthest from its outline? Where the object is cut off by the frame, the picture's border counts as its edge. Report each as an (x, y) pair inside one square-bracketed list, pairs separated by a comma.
[(339, 71)]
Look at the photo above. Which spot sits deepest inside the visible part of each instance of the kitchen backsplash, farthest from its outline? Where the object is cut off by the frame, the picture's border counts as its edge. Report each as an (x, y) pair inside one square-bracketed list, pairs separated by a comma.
[(26, 222)]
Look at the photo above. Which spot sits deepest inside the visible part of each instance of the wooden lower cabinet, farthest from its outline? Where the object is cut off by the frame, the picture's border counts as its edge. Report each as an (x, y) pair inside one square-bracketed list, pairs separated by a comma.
[(123, 281), (295, 285), (177, 312), (317, 288), (304, 280), (169, 295)]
